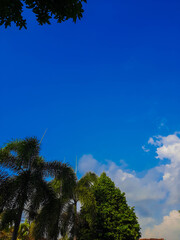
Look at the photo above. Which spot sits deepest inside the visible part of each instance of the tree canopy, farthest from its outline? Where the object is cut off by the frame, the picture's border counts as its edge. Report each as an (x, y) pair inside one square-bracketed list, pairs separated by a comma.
[(114, 219), (45, 10)]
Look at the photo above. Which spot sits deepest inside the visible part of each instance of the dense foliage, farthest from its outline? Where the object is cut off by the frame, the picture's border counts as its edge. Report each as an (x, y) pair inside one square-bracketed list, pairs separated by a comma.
[(51, 204), (45, 10), (114, 219)]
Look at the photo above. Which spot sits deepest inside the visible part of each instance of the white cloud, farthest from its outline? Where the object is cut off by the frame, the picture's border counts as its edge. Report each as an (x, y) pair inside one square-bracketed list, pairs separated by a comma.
[(169, 229), (155, 194), (169, 148), (87, 163), (136, 189)]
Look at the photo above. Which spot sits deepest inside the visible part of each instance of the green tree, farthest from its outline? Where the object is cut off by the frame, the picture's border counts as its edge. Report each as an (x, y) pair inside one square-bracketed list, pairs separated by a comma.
[(26, 188), (45, 10), (114, 220)]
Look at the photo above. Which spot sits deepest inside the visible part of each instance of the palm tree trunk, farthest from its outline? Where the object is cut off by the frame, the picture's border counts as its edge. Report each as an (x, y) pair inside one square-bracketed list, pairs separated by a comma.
[(75, 221), (17, 223)]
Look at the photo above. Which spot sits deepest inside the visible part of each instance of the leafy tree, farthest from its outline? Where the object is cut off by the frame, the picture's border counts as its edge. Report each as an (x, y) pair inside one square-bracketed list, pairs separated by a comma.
[(114, 220), (26, 188), (45, 10)]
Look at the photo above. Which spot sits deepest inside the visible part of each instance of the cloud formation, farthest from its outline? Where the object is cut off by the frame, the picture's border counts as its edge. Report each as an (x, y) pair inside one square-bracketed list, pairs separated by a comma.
[(157, 193), (168, 229), (87, 164), (169, 148)]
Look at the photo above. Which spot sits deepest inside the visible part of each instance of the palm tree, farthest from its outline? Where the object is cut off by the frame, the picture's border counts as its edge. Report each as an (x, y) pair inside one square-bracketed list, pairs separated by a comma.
[(60, 215), (48, 223), (82, 193), (25, 189)]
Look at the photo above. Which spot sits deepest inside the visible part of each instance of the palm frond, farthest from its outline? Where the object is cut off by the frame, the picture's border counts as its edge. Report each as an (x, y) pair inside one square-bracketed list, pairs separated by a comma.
[(20, 153), (67, 218), (9, 191), (55, 168), (28, 150), (3, 175), (8, 160), (46, 219), (65, 182), (88, 180), (41, 193)]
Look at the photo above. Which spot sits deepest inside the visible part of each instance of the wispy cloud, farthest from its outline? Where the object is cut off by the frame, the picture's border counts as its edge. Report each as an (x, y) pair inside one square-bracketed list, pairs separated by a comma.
[(145, 149)]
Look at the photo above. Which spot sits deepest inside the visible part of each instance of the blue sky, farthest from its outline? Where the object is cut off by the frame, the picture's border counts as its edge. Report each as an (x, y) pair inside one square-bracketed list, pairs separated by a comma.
[(102, 86)]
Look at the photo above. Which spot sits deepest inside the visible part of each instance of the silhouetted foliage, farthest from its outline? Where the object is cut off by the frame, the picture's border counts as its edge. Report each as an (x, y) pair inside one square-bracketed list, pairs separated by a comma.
[(60, 216), (26, 188), (48, 223), (45, 10), (50, 204), (3, 175)]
